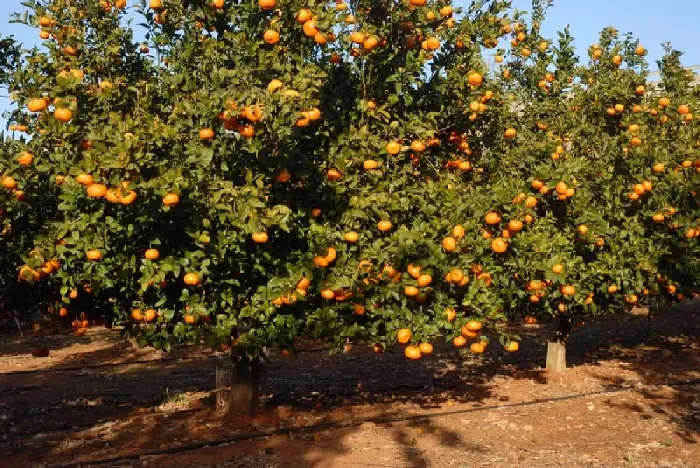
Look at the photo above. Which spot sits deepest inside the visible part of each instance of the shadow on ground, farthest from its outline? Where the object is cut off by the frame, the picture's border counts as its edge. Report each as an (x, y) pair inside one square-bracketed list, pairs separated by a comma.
[(132, 405)]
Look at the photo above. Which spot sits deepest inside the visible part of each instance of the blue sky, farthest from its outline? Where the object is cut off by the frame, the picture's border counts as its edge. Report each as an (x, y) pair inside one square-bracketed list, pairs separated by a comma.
[(653, 21)]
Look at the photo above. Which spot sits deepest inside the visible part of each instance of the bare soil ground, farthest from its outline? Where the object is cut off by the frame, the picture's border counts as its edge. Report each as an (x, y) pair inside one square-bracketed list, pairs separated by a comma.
[(628, 399)]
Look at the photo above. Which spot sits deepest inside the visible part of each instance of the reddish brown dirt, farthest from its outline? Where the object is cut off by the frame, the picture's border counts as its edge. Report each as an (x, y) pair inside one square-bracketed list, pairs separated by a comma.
[(623, 402)]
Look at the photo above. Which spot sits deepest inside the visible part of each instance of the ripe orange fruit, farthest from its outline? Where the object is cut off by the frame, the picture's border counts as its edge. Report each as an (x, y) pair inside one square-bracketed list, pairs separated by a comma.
[(97, 190), (112, 196), (191, 279), (303, 283), (303, 15), (432, 43), (149, 315), (321, 262), (271, 37), (190, 319), (333, 175), (413, 270), (85, 180), (450, 314), (9, 183), (558, 268), (530, 202), (492, 217), (331, 254), (512, 346), (171, 199), (93, 254), (664, 102), (206, 134), (260, 237), (449, 244), (351, 237), (404, 335), (568, 290), (458, 231), (127, 199), (459, 341), (612, 289), (63, 115), (152, 254), (25, 158), (266, 4), (476, 348), (37, 105), (457, 276), (475, 78), (515, 225), (424, 280), (412, 352), (530, 319), (370, 165), (658, 218), (510, 133), (327, 294), (359, 309), (309, 28), (370, 43), (425, 348), (418, 146), (583, 229), (393, 148), (499, 245), (658, 168), (474, 326), (561, 188), (411, 291), (384, 225)]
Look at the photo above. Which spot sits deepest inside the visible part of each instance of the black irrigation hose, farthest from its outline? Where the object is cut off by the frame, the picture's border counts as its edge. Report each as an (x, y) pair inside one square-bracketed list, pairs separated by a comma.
[(354, 423)]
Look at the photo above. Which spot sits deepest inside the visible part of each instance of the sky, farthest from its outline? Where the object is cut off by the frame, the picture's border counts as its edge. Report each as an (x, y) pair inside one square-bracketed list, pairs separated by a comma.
[(653, 21)]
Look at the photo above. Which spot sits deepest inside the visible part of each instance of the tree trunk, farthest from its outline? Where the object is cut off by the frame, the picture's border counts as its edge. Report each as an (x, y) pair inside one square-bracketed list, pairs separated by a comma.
[(238, 386), (556, 356), (556, 348)]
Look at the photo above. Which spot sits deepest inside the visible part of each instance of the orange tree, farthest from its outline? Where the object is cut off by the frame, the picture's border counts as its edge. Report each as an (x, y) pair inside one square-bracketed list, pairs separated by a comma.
[(610, 164), (250, 173)]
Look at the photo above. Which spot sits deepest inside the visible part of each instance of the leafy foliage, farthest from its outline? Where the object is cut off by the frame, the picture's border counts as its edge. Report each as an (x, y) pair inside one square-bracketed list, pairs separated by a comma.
[(255, 172)]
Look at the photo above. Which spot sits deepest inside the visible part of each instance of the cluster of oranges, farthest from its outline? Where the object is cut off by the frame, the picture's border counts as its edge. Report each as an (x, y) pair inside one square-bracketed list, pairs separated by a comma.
[(473, 195)]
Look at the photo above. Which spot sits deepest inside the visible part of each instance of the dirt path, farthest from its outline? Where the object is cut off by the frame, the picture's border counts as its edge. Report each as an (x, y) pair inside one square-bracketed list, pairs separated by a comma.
[(623, 403)]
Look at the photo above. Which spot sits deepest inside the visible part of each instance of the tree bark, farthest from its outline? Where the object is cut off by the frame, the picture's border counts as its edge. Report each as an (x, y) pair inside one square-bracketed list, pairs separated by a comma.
[(556, 356), (556, 348), (243, 392)]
